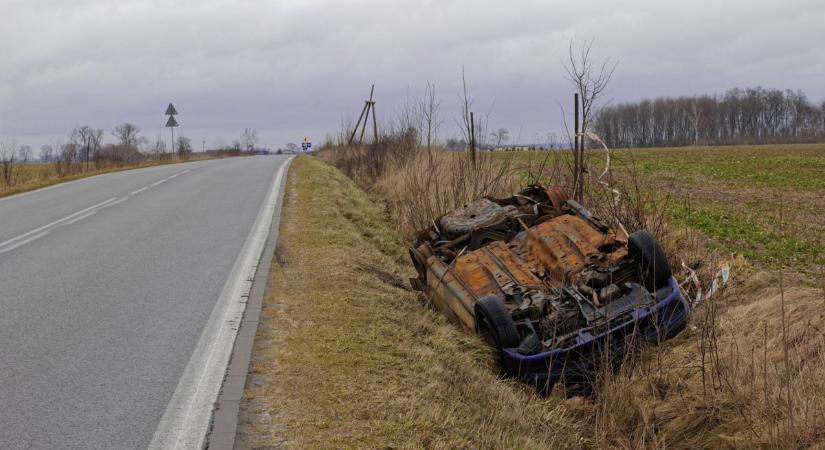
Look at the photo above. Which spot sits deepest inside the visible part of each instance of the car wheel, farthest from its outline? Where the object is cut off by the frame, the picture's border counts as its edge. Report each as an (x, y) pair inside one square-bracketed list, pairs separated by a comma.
[(495, 324), (655, 269)]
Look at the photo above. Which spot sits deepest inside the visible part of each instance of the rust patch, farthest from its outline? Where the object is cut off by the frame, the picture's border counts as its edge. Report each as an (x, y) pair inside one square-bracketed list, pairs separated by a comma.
[(517, 249)]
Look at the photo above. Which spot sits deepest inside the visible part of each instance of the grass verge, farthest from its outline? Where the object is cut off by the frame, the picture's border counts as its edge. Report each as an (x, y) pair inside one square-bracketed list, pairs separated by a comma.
[(33, 176), (347, 357)]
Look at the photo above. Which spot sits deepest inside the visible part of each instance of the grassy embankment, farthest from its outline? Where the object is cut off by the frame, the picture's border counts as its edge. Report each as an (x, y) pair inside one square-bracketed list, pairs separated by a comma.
[(346, 356), (32, 176)]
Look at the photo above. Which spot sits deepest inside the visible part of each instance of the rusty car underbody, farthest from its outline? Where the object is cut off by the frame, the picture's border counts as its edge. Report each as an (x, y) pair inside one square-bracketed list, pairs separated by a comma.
[(545, 282)]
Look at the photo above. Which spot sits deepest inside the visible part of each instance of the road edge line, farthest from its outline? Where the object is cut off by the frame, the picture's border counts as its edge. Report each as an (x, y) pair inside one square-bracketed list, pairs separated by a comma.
[(224, 427), (186, 421)]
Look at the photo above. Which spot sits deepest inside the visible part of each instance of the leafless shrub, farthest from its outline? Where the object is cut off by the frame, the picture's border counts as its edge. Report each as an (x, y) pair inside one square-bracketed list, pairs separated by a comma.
[(429, 107), (7, 160), (590, 83)]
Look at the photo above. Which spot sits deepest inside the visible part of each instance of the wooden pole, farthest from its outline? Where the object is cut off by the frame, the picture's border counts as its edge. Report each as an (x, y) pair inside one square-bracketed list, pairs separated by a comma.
[(365, 114), (577, 160), (366, 119), (472, 139), (357, 124), (374, 123), (370, 106)]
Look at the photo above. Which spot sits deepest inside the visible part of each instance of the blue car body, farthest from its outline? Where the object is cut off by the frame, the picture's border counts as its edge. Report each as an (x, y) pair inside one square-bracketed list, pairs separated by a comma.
[(578, 362)]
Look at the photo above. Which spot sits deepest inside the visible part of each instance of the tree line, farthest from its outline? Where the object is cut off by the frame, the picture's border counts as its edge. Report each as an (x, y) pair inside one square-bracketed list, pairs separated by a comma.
[(84, 150), (739, 116)]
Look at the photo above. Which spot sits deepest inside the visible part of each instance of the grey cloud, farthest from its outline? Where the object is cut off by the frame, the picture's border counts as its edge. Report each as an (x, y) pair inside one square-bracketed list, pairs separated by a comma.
[(294, 68)]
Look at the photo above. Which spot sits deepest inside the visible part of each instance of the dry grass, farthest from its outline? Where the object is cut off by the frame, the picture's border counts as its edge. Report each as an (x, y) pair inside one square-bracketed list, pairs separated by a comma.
[(723, 382), (32, 176), (347, 357), (427, 186), (748, 370)]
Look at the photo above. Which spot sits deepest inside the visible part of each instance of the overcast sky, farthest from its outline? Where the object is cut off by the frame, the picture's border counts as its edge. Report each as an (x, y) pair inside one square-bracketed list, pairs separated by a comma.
[(297, 68)]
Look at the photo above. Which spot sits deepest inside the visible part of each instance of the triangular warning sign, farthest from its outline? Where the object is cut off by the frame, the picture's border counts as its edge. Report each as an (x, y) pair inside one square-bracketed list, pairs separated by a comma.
[(171, 122), (171, 111)]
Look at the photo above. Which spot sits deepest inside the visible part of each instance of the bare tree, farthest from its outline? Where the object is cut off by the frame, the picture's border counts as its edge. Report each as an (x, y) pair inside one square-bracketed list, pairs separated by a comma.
[(95, 143), (590, 82), (25, 153), (127, 134), (428, 109), (69, 154), (501, 136), (409, 119), (7, 155), (473, 128), (466, 123), (184, 147), (738, 116), (249, 139), (47, 153), (158, 147), (88, 140)]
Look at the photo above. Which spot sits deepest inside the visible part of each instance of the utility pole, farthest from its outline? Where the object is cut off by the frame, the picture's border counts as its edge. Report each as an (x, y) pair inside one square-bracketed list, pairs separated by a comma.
[(365, 114)]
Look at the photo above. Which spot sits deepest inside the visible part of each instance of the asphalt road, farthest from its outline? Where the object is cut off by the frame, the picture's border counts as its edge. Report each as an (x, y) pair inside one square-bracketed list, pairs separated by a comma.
[(106, 287)]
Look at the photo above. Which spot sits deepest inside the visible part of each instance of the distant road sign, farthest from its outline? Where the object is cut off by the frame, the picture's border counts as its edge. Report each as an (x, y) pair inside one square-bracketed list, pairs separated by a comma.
[(171, 111), (306, 145), (171, 122)]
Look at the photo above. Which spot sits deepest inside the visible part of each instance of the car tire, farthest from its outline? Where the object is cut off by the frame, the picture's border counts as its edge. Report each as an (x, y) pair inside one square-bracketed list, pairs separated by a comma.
[(653, 263), (495, 324)]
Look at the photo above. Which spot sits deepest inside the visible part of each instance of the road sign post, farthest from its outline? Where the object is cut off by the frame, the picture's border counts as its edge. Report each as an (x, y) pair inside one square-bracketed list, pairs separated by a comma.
[(172, 123)]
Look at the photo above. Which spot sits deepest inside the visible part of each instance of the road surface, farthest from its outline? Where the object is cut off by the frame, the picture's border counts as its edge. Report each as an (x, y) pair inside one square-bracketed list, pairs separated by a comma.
[(111, 292)]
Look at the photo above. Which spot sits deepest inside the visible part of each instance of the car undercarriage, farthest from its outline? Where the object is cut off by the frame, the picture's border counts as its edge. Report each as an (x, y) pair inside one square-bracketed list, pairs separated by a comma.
[(535, 272)]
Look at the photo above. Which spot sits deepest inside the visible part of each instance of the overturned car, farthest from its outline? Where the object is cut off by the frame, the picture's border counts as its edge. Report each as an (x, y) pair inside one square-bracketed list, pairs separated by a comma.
[(552, 288)]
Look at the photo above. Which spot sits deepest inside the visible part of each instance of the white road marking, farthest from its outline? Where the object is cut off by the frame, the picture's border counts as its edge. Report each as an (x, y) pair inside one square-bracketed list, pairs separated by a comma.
[(75, 217), (159, 182), (66, 183), (79, 218), (57, 222), (23, 242), (186, 420), (115, 203), (54, 186)]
